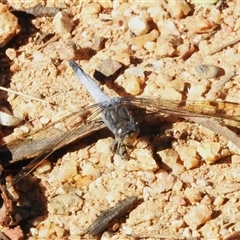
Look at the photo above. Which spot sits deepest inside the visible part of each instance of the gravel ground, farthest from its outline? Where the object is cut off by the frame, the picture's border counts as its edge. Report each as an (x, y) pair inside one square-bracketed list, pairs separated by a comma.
[(174, 50)]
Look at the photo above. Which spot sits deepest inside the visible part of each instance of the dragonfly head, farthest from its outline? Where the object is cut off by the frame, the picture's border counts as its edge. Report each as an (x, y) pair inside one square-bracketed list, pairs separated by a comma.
[(128, 133)]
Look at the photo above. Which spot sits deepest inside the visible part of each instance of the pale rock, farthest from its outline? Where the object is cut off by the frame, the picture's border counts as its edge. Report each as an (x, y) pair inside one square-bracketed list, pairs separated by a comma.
[(193, 195), (9, 26), (207, 200), (168, 27), (171, 94), (44, 167), (144, 161), (157, 13), (62, 23), (146, 211), (132, 85), (177, 185), (123, 57), (150, 46), (177, 223), (11, 53), (177, 168), (127, 230), (198, 24), (197, 90), (164, 46), (234, 149), (210, 231), (162, 79), (170, 158), (189, 156), (235, 159), (178, 9), (197, 216), (235, 174), (89, 169), (178, 200), (66, 172), (141, 40), (136, 71), (187, 232), (65, 204), (91, 9), (148, 176), (164, 182), (207, 71), (138, 25), (218, 201), (177, 84), (60, 231), (44, 120), (201, 182), (44, 233), (113, 196), (211, 151), (7, 119)]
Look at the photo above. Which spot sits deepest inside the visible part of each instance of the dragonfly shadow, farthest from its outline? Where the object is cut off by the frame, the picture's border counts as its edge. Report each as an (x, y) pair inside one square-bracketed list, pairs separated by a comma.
[(32, 202)]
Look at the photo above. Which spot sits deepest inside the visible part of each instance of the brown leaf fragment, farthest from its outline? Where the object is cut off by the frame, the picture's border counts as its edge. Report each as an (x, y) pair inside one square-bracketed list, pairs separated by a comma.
[(105, 219), (40, 11)]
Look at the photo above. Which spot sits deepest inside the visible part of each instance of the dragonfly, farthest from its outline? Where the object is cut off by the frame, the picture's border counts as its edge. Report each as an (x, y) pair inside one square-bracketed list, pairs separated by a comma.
[(112, 113)]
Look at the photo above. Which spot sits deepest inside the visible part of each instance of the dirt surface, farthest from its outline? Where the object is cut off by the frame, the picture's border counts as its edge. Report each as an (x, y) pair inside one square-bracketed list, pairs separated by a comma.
[(186, 176)]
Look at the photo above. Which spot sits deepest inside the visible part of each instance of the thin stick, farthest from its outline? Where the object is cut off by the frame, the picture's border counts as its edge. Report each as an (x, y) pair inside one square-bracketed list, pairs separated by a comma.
[(224, 46), (24, 95)]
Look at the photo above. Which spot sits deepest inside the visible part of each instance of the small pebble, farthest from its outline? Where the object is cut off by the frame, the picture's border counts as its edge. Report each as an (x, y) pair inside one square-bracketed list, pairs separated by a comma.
[(171, 94), (193, 195), (197, 216), (211, 151), (143, 39), (164, 46), (11, 53), (189, 156), (66, 172), (132, 85), (8, 24), (207, 71), (218, 201), (178, 9), (44, 167), (62, 23), (170, 158), (138, 25), (108, 67)]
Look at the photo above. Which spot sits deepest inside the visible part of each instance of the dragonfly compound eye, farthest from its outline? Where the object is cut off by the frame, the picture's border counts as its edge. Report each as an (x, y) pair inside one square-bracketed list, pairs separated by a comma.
[(128, 133)]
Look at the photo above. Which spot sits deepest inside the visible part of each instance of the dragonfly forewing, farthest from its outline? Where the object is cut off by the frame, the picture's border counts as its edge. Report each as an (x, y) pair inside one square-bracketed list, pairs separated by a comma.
[(47, 140), (224, 112)]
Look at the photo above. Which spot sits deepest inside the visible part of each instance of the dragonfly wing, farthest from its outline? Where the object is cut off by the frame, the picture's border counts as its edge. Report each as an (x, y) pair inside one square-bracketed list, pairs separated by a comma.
[(47, 140), (224, 112), (65, 139)]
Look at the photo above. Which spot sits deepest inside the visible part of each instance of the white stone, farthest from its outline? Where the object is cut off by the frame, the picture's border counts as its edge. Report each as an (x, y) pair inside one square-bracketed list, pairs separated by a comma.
[(138, 25), (197, 216), (62, 23)]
